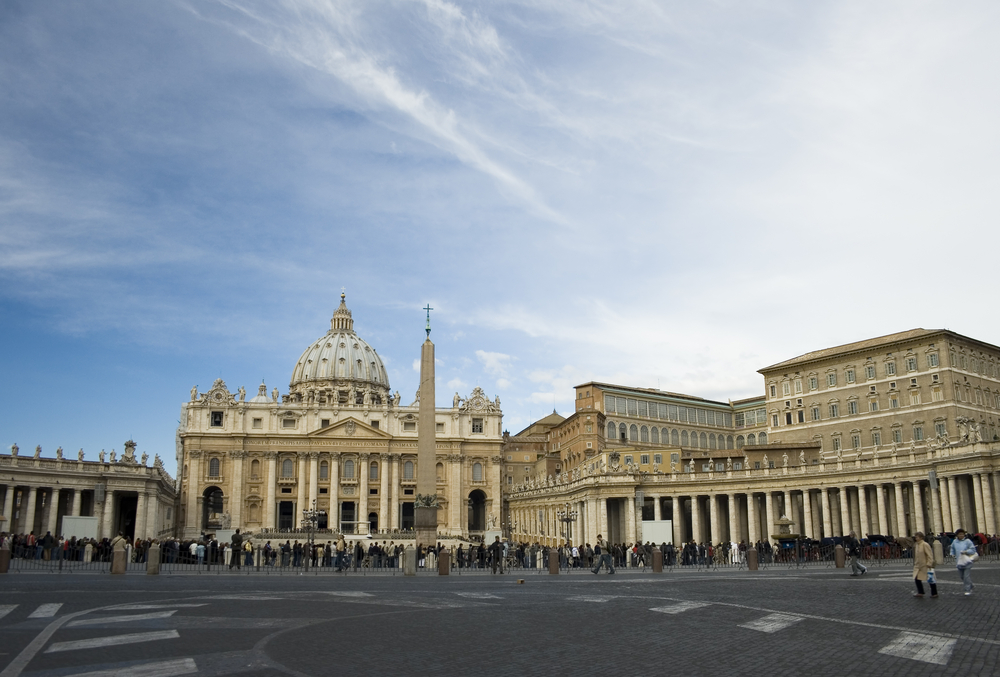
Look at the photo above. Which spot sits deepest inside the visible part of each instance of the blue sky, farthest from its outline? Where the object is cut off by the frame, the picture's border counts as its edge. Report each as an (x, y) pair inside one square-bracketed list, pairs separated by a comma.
[(666, 195)]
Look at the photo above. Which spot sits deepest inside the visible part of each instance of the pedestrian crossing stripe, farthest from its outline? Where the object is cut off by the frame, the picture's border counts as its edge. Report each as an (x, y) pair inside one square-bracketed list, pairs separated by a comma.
[(46, 611), (181, 666), (772, 623), (113, 640), (6, 609), (679, 607), (920, 647)]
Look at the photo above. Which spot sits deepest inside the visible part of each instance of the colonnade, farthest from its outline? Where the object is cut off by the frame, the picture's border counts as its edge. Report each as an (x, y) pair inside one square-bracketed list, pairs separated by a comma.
[(897, 506)]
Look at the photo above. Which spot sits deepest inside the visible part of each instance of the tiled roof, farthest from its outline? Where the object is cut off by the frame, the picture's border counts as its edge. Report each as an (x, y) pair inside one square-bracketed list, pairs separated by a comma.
[(867, 344)]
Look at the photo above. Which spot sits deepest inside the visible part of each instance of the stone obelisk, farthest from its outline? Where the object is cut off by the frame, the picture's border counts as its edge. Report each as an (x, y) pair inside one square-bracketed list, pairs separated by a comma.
[(425, 509)]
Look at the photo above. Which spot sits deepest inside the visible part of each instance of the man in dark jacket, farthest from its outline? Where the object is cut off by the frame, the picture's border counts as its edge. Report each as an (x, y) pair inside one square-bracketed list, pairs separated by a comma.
[(854, 551), (496, 554), (236, 550)]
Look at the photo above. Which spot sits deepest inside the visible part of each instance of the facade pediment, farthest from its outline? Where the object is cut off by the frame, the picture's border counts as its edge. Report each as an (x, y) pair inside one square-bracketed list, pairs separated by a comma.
[(351, 428)]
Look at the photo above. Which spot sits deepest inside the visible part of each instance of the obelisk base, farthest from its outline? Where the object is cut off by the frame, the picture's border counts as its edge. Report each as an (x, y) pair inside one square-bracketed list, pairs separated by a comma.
[(425, 525)]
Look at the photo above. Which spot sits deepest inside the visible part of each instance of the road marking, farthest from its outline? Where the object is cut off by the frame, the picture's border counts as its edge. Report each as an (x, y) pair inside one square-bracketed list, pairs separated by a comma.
[(920, 647), (45, 611), (113, 640), (350, 594), (183, 666), (6, 609), (592, 598), (478, 595), (679, 607), (772, 623), (121, 619), (138, 607), (245, 597)]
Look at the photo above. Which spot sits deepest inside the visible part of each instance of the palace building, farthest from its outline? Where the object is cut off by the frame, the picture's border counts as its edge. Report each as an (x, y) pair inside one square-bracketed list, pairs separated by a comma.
[(339, 441), (889, 435)]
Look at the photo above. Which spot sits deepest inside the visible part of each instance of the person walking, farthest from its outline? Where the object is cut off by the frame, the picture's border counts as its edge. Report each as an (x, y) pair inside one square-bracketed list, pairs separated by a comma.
[(237, 550), (854, 550), (964, 552), (923, 566), (602, 551), (496, 555)]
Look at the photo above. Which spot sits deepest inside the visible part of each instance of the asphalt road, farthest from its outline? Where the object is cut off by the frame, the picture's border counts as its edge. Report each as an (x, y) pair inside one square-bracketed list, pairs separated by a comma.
[(775, 622)]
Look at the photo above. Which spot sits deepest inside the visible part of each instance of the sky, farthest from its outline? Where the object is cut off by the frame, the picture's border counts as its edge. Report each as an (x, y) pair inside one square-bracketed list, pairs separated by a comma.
[(655, 194)]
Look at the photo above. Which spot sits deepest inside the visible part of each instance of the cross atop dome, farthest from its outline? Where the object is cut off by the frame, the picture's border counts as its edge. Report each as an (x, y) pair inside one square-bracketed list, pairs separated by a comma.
[(342, 320)]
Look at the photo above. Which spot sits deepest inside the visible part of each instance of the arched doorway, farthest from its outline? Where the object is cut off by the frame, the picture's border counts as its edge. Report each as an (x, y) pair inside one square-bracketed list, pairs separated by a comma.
[(211, 508), (372, 522), (477, 510)]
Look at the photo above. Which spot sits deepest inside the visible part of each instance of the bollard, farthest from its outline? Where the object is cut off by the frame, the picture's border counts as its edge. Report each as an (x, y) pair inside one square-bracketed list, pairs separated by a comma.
[(118, 562), (444, 563), (839, 556), (88, 552), (938, 553), (153, 560), (657, 561), (4, 558), (752, 559), (553, 561), (410, 561)]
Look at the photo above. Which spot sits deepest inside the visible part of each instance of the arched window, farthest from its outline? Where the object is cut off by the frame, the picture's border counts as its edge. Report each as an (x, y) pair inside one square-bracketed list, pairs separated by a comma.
[(762, 438), (739, 441), (440, 472), (621, 432), (751, 440), (711, 441), (349, 469), (373, 471), (729, 442), (644, 434), (324, 470), (477, 472), (654, 435), (254, 468), (408, 470), (684, 438), (611, 430), (287, 468), (633, 433), (213, 468), (675, 438), (704, 441)]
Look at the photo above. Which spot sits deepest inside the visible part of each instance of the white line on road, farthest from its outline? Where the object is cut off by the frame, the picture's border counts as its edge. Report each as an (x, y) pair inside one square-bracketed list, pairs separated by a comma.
[(679, 607), (45, 611), (113, 640), (182, 666), (772, 623), (6, 609), (99, 620), (478, 595), (920, 647), (138, 607), (591, 598), (348, 593)]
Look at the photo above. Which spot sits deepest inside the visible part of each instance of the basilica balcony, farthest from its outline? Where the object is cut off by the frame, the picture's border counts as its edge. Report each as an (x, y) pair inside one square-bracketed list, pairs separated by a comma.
[(214, 479), (288, 481)]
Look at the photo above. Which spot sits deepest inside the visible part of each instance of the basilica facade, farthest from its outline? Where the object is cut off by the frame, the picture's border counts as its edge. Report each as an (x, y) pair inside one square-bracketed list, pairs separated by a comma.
[(339, 442)]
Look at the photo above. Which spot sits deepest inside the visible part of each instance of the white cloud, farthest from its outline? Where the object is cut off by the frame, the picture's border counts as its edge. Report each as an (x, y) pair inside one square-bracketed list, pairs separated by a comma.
[(457, 384), (494, 364), (503, 384)]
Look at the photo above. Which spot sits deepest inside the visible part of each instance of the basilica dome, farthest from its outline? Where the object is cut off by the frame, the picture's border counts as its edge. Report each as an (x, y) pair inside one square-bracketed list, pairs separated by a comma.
[(340, 366)]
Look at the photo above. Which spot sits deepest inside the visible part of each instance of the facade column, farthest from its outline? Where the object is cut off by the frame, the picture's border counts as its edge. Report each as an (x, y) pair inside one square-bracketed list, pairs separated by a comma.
[(459, 505), (713, 518), (333, 514), (988, 512), (271, 480), (153, 517), (945, 504), (753, 521), (917, 496), (630, 535), (73, 502), (236, 502), (734, 518), (107, 516), (787, 510), (845, 512), (807, 511), (863, 521), (52, 519), (300, 493), (140, 516), (364, 461), (883, 519), (28, 509), (956, 518), (769, 518), (677, 512), (8, 508), (696, 534), (592, 526), (383, 497), (937, 520), (827, 513), (394, 496), (313, 480), (900, 511), (977, 496), (192, 520)]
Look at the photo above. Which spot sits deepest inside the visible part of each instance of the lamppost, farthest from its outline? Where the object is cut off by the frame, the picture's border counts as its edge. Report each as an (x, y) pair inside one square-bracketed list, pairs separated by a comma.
[(567, 517), (311, 517)]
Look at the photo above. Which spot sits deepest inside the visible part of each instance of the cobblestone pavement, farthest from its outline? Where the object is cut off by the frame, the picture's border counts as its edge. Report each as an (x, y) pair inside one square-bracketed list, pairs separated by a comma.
[(777, 622)]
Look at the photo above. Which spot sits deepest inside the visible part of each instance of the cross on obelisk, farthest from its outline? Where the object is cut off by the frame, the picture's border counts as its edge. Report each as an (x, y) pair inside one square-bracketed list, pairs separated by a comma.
[(426, 509), (428, 309)]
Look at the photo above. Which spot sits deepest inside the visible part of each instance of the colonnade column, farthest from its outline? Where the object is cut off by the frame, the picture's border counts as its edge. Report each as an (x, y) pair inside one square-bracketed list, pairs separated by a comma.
[(192, 520), (863, 521), (937, 518), (769, 518), (236, 503), (383, 497), (988, 512), (677, 518), (271, 480), (52, 520), (917, 494), (630, 535), (753, 521), (977, 495), (8, 508), (807, 511), (786, 508), (592, 521), (883, 512), (109, 511), (696, 534), (900, 510), (845, 512), (152, 517), (734, 518), (140, 516), (956, 519), (713, 518), (827, 514)]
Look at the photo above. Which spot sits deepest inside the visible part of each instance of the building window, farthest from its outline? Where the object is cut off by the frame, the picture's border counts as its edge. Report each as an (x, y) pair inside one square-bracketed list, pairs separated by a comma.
[(287, 468), (375, 424), (409, 426), (774, 420), (932, 360), (890, 368), (349, 469), (802, 416), (815, 413), (877, 438), (477, 472), (438, 427), (213, 468), (836, 444), (940, 429), (739, 441), (850, 376), (870, 371), (852, 407), (628, 459), (737, 465), (788, 418), (798, 386), (774, 391), (918, 433), (897, 436), (813, 383), (611, 430), (856, 441), (657, 459), (644, 434), (894, 402), (324, 470), (873, 405), (720, 467), (751, 439), (915, 397), (834, 411), (216, 419), (633, 433), (288, 423), (254, 469), (373, 471), (477, 425), (654, 435), (258, 423), (831, 379), (408, 470), (644, 459), (786, 389), (510, 480), (324, 423), (937, 395), (911, 364)]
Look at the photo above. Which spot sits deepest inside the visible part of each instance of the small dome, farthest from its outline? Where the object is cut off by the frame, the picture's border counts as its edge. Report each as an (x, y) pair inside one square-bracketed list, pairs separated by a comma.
[(338, 357)]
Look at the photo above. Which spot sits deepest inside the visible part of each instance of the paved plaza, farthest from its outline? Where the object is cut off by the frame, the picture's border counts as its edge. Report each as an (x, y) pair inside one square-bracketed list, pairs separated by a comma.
[(808, 621)]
